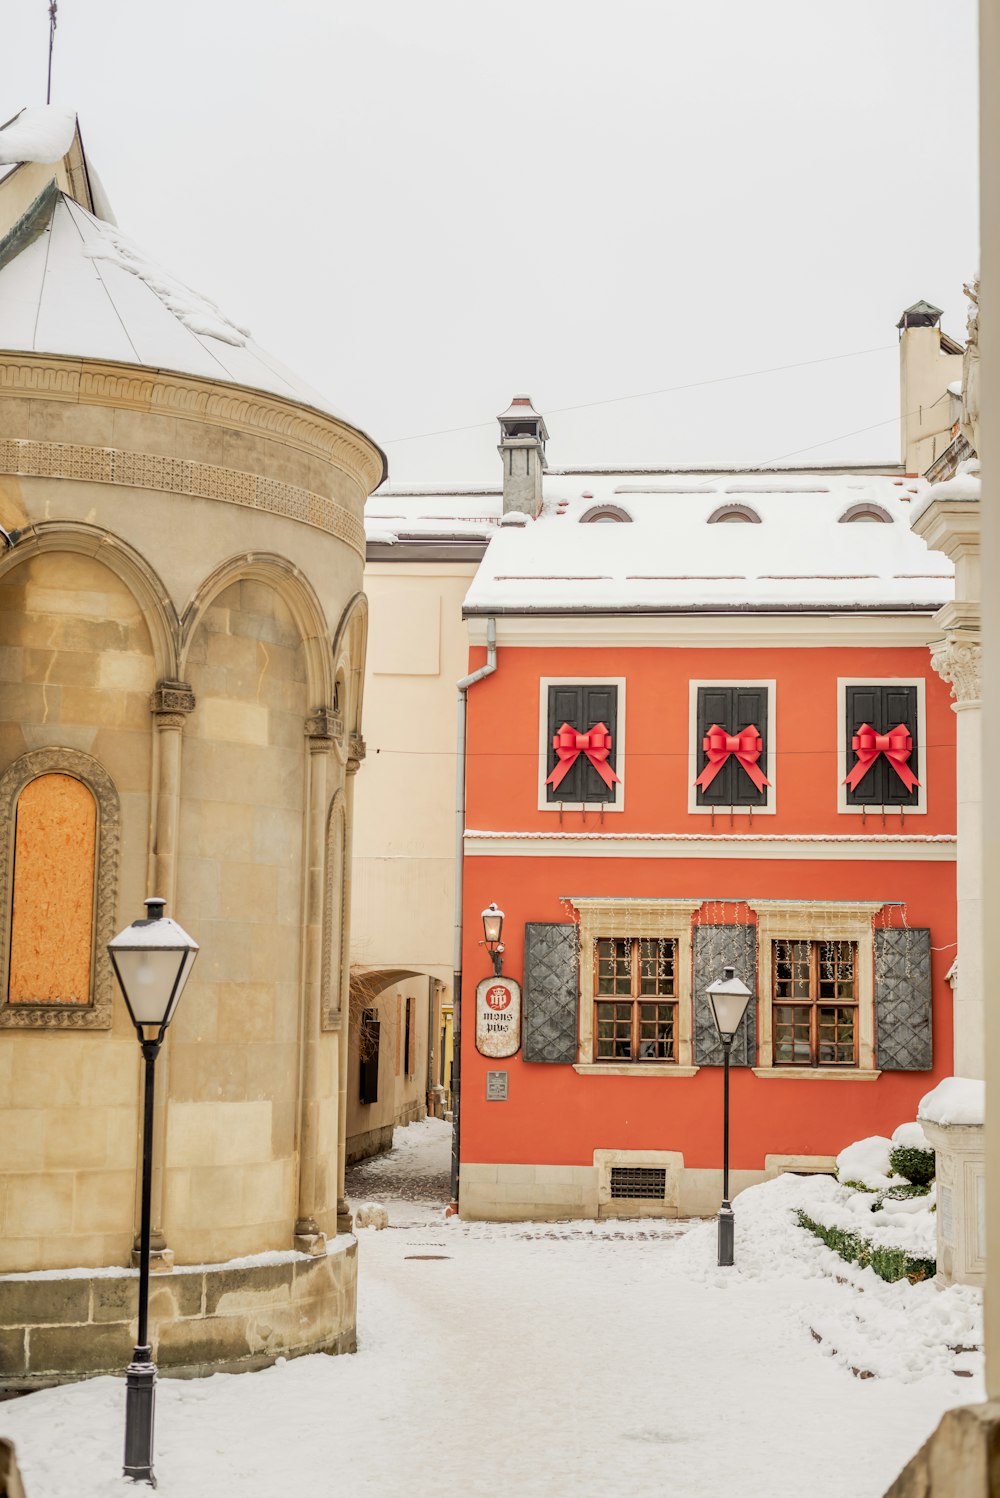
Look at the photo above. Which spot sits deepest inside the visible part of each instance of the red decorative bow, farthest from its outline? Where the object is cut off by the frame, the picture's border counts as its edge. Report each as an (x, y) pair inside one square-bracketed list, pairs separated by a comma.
[(569, 745), (719, 745), (897, 747)]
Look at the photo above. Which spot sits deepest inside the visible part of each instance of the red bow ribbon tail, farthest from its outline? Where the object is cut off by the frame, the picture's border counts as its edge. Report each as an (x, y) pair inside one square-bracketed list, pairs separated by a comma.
[(597, 750), (719, 745), (569, 745), (897, 746)]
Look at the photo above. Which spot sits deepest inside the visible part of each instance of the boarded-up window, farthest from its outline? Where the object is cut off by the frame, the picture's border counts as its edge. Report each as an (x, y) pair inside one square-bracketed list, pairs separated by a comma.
[(411, 1036), (52, 911), (368, 1045)]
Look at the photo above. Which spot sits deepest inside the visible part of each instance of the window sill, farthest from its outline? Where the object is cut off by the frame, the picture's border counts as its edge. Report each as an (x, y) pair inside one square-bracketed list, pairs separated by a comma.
[(819, 1073), (633, 1069)]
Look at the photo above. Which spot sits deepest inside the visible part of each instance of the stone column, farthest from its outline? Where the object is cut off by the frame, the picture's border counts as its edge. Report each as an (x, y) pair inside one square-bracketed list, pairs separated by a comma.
[(170, 704), (956, 659), (356, 754), (320, 733)]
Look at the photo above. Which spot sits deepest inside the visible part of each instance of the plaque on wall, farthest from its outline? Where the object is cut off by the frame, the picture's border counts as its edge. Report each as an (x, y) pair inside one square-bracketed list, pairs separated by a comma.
[(498, 1017), (496, 1086)]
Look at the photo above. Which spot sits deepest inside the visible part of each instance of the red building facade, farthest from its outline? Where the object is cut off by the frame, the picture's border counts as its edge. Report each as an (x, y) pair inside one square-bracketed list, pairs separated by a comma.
[(704, 745)]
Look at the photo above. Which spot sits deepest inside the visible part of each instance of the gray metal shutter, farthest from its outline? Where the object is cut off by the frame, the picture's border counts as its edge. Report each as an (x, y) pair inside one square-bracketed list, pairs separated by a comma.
[(551, 992), (903, 1037), (733, 708), (717, 947)]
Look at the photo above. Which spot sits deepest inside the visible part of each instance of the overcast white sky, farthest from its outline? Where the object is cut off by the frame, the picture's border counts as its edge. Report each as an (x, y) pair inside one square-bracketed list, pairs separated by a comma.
[(424, 207)]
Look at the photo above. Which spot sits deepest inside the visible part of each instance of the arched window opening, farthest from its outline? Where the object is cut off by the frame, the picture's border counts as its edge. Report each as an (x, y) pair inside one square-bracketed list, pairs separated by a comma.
[(605, 515), (869, 513), (730, 514)]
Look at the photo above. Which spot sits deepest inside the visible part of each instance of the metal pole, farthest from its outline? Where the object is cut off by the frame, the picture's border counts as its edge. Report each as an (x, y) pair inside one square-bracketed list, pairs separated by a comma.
[(140, 1379), (726, 1224)]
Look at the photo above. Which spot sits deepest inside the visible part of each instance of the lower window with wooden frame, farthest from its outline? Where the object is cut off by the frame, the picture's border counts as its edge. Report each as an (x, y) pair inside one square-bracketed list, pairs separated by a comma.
[(815, 1003), (635, 1006)]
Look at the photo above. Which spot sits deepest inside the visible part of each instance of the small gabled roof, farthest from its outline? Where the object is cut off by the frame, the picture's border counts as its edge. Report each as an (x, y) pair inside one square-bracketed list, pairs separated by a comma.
[(921, 315)]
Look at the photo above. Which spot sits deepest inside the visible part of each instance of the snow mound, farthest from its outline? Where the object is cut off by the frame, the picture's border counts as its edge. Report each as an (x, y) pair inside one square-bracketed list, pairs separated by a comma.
[(867, 1162), (910, 1136), (41, 133), (956, 1100)]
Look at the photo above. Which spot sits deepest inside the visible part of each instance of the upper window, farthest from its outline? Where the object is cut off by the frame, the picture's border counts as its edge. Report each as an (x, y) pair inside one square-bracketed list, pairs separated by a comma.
[(731, 725), (882, 735), (815, 1003), (582, 743), (873, 514), (729, 513), (635, 1012)]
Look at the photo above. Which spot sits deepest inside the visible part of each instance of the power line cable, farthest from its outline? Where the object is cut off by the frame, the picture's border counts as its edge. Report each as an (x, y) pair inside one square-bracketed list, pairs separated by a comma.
[(612, 400)]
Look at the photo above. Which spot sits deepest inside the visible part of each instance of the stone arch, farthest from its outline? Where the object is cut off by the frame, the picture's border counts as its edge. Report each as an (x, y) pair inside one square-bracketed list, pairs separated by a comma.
[(334, 913), (96, 1015), (138, 576), (349, 649), (298, 594)]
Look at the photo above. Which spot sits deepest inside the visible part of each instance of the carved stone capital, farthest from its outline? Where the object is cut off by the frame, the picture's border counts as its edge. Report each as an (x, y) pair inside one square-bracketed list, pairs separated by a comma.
[(324, 724), (356, 753), (959, 662), (170, 700)]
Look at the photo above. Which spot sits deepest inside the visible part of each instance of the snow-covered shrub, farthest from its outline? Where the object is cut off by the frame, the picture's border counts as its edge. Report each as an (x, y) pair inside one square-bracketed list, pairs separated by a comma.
[(371, 1215), (888, 1263), (916, 1165), (864, 1166)]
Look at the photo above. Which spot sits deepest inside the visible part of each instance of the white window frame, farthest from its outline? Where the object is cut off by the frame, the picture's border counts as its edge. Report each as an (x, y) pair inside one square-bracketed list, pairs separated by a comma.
[(846, 756), (694, 748), (618, 743)]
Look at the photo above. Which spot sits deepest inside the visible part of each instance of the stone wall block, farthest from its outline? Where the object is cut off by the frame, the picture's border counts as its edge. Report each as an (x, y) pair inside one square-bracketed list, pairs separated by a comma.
[(13, 1352), (79, 1349), (36, 1302), (231, 1290)]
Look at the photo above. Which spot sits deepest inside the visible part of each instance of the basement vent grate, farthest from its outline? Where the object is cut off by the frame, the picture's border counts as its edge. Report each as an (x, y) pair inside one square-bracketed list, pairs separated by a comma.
[(638, 1183)]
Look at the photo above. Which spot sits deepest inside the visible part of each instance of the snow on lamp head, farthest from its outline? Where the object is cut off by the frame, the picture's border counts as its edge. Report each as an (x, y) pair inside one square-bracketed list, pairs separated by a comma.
[(152, 959), (728, 998)]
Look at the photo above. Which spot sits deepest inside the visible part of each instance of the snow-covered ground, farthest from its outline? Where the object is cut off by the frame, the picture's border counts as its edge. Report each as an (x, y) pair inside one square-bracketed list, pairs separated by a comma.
[(542, 1360)]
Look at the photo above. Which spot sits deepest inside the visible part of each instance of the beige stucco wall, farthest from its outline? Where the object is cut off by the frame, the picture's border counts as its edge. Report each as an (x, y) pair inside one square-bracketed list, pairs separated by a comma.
[(927, 410), (248, 606), (403, 911), (402, 1094)]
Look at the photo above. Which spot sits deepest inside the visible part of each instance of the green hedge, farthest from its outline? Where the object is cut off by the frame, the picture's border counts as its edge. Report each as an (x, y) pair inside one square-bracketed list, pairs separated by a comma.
[(916, 1165), (888, 1263)]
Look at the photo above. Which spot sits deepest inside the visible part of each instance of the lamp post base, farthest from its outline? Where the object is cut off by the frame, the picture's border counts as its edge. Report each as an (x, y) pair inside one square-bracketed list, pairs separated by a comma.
[(727, 1235), (140, 1401)]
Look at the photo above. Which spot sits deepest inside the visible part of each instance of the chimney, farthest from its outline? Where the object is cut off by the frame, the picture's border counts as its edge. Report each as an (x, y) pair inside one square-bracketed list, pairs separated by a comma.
[(522, 449), (929, 361)]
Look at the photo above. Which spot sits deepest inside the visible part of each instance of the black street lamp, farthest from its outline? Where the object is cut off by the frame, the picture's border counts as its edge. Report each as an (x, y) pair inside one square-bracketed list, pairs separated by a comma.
[(728, 998), (492, 927), (152, 960)]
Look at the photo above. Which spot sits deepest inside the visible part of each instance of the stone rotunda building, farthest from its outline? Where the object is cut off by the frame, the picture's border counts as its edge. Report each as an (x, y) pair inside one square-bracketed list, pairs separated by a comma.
[(181, 668)]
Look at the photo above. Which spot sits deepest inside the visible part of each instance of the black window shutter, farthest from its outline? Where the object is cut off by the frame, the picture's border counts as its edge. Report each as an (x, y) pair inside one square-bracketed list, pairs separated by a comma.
[(370, 1028), (582, 707), (882, 708), (903, 1033), (551, 992), (732, 708), (715, 948)]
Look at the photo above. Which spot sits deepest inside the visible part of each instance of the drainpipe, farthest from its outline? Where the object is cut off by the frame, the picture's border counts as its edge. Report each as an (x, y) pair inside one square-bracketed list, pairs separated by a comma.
[(456, 990)]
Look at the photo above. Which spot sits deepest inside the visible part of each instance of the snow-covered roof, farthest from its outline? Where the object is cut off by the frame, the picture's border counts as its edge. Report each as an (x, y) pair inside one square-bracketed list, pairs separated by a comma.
[(670, 557), (80, 287), (397, 514)]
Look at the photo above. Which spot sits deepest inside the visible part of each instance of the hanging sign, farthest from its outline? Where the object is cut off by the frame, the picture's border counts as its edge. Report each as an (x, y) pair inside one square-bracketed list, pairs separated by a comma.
[(498, 1017)]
